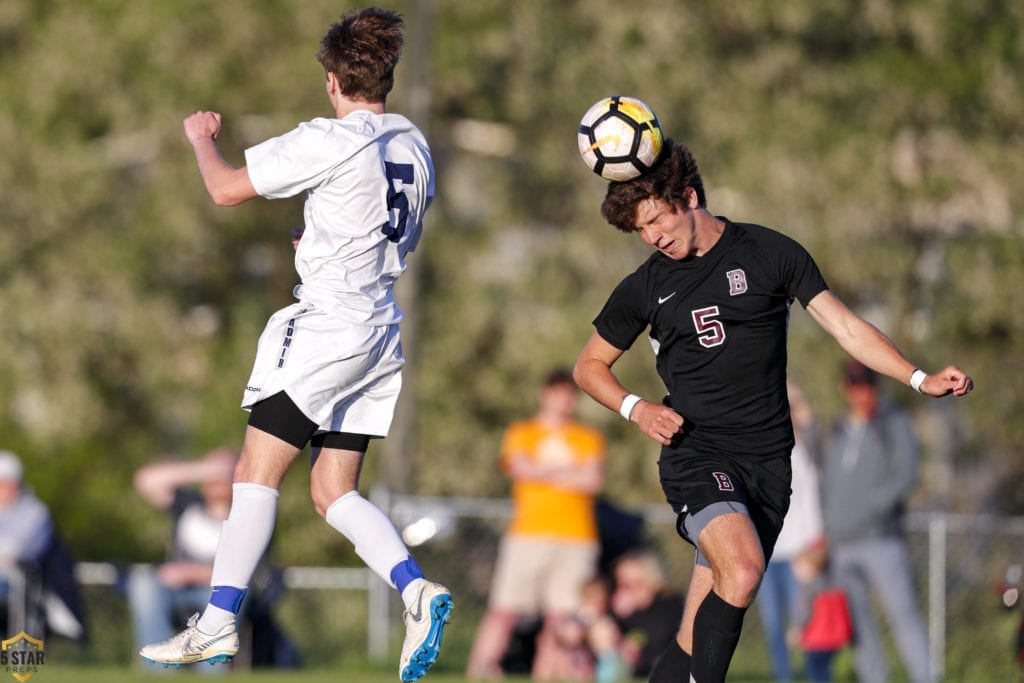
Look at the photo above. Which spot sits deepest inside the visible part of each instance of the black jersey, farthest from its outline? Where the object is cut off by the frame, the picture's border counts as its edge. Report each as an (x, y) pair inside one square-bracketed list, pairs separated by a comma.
[(718, 324)]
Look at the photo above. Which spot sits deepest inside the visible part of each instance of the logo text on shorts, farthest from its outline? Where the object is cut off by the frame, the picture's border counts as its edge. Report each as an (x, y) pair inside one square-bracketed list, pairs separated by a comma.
[(724, 482)]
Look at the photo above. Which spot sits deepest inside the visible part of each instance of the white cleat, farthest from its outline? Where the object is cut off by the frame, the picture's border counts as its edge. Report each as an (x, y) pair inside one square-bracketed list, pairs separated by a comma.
[(424, 626), (192, 645)]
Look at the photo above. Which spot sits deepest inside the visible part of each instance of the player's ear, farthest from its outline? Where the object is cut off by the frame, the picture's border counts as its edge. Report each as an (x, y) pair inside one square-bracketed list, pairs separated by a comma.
[(690, 197), (332, 83)]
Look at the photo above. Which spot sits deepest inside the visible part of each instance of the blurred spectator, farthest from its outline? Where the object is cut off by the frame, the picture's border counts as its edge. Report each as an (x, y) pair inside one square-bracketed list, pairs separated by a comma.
[(619, 530), (37, 581), (822, 614), (592, 636), (778, 598), (197, 495), (871, 467), (26, 528), (646, 608), (551, 546)]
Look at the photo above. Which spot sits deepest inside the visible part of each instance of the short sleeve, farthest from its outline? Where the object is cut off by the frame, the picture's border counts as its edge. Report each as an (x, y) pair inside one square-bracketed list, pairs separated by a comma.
[(624, 316), (299, 160), (800, 274)]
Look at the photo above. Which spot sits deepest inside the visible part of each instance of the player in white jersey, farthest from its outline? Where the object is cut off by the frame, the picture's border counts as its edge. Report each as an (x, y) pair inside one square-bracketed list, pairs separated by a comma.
[(328, 368)]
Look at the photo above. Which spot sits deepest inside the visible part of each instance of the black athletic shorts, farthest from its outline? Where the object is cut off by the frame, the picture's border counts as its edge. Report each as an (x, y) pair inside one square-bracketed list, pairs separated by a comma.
[(700, 486), (279, 416)]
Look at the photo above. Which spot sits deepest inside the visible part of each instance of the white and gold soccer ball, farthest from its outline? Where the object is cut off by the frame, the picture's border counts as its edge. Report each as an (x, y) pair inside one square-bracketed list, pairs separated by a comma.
[(620, 138)]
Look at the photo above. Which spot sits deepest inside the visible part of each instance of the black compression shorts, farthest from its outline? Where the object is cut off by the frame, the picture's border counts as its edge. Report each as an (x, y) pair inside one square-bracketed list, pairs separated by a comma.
[(701, 486), (280, 417)]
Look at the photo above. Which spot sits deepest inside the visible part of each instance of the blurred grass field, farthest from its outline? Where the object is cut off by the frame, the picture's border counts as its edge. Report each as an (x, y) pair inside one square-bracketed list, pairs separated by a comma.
[(83, 674), (65, 674)]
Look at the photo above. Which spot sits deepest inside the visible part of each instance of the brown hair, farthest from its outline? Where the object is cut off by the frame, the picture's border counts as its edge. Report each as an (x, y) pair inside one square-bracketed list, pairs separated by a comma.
[(559, 376), (675, 172), (362, 51)]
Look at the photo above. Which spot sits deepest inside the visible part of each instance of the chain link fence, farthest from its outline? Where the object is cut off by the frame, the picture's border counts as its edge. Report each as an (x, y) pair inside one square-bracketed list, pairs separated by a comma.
[(347, 618)]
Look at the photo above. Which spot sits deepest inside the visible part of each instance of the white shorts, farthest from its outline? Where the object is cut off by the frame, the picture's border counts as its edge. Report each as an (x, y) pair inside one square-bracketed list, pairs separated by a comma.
[(344, 377)]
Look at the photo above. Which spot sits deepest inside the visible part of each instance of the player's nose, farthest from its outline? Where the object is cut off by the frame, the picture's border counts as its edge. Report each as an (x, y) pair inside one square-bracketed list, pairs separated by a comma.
[(651, 237)]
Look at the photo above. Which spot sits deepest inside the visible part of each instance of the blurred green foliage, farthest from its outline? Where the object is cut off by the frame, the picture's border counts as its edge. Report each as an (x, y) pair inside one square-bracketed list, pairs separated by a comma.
[(881, 134)]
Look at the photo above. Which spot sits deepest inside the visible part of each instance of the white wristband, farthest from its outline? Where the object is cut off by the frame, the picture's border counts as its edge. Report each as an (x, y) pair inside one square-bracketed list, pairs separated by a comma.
[(628, 403), (917, 379)]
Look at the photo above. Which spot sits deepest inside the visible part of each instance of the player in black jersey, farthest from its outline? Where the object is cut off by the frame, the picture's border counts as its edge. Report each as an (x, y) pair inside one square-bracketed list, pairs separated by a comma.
[(716, 298)]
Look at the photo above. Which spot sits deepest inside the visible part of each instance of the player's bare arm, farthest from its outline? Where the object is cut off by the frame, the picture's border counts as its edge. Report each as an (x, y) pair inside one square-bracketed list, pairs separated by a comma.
[(593, 374), (866, 343), (228, 186)]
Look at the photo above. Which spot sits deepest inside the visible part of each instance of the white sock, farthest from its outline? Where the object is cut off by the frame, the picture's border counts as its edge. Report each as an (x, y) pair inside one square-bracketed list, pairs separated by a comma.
[(411, 591), (374, 536), (244, 538)]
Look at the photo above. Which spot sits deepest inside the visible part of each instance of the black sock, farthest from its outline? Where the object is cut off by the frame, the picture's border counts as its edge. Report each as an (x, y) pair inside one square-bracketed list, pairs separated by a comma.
[(716, 630), (671, 666)]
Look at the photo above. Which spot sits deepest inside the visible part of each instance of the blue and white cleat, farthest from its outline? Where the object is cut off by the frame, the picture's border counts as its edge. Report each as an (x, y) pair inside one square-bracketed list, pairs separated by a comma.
[(192, 645), (424, 627)]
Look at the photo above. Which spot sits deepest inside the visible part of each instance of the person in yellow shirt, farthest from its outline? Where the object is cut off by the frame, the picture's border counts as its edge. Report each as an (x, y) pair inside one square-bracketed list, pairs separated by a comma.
[(550, 548)]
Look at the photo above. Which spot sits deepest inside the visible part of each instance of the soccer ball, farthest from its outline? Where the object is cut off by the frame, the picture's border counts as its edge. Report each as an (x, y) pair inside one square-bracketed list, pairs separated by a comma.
[(620, 138)]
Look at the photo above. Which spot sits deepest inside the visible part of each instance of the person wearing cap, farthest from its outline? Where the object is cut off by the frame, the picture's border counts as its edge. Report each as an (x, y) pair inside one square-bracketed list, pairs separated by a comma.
[(26, 535), (870, 469), (26, 527)]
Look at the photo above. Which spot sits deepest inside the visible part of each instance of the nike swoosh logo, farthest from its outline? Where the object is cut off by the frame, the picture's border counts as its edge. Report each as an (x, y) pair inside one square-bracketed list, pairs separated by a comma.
[(663, 299), (196, 648), (418, 614)]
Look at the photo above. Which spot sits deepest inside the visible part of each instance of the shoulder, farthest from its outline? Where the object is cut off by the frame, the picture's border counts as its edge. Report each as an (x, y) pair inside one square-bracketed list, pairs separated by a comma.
[(31, 505), (520, 427), (767, 238), (647, 272), (324, 130), (370, 126), (326, 133)]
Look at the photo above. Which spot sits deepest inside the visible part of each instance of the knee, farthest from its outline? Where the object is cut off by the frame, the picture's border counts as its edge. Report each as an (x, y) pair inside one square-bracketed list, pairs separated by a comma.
[(321, 501), (324, 495), (738, 584)]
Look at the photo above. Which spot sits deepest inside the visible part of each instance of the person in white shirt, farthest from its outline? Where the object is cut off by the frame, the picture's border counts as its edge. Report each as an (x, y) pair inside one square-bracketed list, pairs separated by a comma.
[(196, 494), (328, 368), (780, 594)]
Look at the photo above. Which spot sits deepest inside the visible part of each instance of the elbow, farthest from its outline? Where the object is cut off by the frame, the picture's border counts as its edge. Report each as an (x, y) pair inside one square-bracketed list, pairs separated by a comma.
[(221, 198), (578, 374)]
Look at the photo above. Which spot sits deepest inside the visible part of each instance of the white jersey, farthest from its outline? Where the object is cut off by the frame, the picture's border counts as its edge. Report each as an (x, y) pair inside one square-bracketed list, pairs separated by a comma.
[(803, 524), (369, 179)]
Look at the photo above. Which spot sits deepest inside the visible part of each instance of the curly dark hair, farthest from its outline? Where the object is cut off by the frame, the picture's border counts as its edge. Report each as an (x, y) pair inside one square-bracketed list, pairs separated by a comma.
[(675, 172), (362, 51)]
